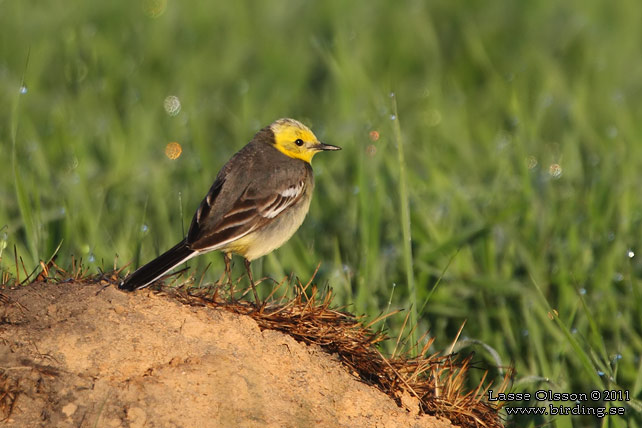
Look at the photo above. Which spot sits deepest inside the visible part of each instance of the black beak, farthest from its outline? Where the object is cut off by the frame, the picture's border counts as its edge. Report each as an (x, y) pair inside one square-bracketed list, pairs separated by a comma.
[(322, 146)]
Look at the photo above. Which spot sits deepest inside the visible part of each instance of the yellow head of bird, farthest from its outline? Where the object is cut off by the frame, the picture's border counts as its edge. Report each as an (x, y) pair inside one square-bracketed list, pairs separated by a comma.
[(294, 139)]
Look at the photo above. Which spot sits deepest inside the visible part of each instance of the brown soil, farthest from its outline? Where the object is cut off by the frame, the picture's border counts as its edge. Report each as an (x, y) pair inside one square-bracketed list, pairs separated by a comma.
[(77, 356)]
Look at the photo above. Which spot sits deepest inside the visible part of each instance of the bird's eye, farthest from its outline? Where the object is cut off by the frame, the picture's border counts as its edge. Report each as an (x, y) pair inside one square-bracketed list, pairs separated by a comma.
[(298, 142)]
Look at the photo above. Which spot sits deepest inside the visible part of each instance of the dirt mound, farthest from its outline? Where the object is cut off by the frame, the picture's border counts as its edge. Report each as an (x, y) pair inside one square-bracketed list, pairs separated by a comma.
[(78, 356)]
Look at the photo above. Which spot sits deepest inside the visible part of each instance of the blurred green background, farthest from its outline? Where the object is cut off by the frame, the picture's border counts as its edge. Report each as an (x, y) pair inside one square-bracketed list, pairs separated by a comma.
[(519, 125)]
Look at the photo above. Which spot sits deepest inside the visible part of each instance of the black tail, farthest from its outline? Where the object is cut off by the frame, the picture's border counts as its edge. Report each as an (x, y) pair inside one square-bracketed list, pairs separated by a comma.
[(158, 267)]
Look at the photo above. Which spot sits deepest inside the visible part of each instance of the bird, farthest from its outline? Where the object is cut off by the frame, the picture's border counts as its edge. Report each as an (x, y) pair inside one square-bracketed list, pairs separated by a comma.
[(258, 200)]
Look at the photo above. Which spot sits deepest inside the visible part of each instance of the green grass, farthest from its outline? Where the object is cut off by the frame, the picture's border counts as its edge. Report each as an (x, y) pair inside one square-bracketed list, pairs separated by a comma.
[(520, 128)]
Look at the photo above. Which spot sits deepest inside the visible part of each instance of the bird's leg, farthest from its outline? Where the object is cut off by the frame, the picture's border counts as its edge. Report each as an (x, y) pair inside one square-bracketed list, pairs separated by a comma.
[(228, 266), (228, 272), (249, 274)]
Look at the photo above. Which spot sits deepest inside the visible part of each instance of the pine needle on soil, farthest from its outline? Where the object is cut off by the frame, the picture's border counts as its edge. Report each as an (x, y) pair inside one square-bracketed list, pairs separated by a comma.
[(435, 384), (430, 384)]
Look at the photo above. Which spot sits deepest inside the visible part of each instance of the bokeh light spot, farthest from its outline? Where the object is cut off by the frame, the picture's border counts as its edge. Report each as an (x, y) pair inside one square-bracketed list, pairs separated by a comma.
[(371, 150), (531, 161), (433, 117), (154, 8), (555, 170), (173, 150), (172, 105)]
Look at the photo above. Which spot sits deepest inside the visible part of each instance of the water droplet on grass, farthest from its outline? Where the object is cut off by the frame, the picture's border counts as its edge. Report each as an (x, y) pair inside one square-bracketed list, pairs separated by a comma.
[(23, 89), (630, 253), (393, 117)]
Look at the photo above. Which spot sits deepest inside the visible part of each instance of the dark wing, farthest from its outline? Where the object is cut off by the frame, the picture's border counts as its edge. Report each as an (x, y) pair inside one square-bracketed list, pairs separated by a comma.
[(204, 210), (252, 210)]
